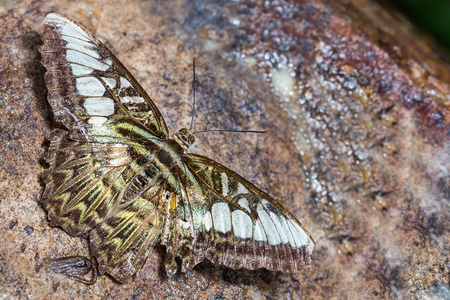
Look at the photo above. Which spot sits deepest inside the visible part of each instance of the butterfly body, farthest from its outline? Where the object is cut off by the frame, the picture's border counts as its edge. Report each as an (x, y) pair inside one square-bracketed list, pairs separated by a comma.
[(117, 175)]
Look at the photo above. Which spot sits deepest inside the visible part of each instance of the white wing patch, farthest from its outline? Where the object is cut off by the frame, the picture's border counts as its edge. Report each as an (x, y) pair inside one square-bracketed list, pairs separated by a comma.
[(301, 238), (259, 234), (221, 217), (66, 28), (97, 121), (281, 230), (110, 82), (124, 83), (128, 99), (244, 203), (285, 231), (85, 60), (224, 183), (242, 224), (207, 221), (79, 70), (269, 226), (90, 86), (108, 61), (241, 189), (99, 106), (138, 100), (81, 46)]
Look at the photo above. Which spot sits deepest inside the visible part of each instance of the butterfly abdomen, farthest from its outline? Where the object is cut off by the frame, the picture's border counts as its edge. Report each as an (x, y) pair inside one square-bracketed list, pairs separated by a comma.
[(170, 153), (145, 178)]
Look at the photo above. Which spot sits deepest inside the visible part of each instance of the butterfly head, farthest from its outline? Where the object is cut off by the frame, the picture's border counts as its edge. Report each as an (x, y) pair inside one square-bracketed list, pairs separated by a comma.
[(185, 138)]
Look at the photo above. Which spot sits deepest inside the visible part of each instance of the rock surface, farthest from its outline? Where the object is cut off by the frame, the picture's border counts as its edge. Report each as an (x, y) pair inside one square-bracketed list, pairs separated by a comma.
[(359, 151)]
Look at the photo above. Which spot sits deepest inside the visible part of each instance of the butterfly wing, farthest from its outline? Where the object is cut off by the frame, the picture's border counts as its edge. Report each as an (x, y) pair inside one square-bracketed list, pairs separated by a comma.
[(88, 85), (233, 223), (122, 241), (114, 127)]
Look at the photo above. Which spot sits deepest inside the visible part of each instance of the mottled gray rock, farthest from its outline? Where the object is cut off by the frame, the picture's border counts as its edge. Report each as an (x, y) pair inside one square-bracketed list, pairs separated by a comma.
[(358, 108)]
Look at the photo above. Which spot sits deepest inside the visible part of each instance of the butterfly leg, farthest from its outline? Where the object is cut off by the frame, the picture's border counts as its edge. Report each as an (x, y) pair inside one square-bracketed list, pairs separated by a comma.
[(170, 263), (76, 267), (189, 260)]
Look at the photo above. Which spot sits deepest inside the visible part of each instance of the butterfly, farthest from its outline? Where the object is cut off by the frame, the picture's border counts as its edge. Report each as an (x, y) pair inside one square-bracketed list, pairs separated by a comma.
[(117, 175)]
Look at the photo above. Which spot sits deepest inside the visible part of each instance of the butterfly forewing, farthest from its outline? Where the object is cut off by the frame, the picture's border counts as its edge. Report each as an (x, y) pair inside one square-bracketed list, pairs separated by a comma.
[(117, 175), (235, 223), (89, 89)]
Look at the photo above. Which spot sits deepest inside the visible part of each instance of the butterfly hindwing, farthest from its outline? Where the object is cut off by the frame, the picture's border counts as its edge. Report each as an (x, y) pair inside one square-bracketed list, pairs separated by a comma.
[(86, 180), (122, 241)]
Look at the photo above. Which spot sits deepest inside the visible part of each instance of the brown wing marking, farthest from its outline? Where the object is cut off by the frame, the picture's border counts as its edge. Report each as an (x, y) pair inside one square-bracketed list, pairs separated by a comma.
[(86, 180), (122, 241)]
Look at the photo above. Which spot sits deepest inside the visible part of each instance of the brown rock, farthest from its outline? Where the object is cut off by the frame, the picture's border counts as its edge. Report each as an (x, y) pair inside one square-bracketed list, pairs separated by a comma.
[(357, 105)]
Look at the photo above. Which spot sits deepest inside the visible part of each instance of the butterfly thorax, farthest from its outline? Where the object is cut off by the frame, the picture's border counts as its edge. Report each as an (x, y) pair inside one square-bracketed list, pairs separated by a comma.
[(173, 148)]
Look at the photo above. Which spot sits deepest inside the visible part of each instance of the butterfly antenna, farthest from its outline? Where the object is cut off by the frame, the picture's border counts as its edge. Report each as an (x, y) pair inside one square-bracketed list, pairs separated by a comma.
[(232, 130), (193, 111), (193, 89)]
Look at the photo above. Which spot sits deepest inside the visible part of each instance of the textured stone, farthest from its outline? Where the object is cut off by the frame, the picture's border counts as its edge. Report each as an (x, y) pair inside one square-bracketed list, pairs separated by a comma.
[(359, 149)]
